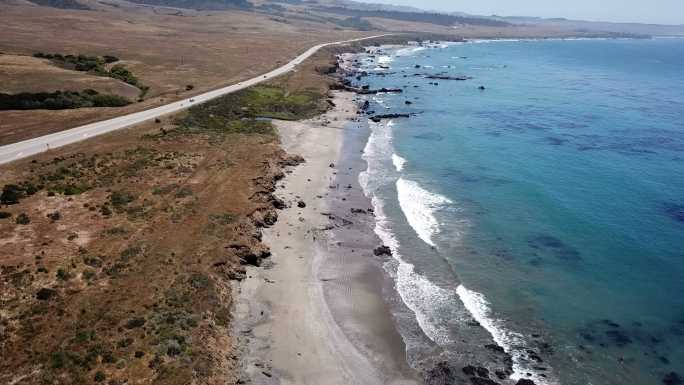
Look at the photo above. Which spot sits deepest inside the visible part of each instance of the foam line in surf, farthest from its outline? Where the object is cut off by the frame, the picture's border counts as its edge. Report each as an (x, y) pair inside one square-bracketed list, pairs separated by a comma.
[(419, 206), (398, 162), (478, 307)]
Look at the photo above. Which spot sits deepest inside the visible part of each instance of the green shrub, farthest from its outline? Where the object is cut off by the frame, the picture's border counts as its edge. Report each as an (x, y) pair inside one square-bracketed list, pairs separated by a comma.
[(11, 194), (248, 111), (125, 75), (63, 274), (99, 376), (59, 100), (110, 59), (58, 360), (121, 198), (75, 190), (23, 219), (106, 211), (183, 192), (108, 100)]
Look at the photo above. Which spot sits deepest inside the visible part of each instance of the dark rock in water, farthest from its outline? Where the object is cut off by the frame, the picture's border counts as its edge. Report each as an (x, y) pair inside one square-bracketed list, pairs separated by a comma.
[(675, 211), (378, 118), (619, 338), (672, 378), (482, 372), (611, 323), (481, 88), (45, 294), (495, 348), (441, 77), (441, 374), (555, 141), (469, 370), (473, 371), (560, 249), (366, 87), (382, 250), (524, 381), (416, 66), (501, 375), (482, 381), (532, 355), (381, 90), (429, 136), (301, 204), (408, 102), (365, 105), (588, 336)]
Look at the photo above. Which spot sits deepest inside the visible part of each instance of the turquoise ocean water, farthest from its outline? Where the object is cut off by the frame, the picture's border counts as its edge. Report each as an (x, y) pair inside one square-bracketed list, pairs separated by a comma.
[(548, 207)]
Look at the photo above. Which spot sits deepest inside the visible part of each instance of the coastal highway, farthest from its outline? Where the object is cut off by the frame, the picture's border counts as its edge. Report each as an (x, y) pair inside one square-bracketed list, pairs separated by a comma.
[(23, 149)]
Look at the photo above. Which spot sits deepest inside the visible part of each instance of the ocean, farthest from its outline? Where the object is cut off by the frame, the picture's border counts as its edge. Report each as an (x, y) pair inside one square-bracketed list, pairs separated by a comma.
[(534, 208)]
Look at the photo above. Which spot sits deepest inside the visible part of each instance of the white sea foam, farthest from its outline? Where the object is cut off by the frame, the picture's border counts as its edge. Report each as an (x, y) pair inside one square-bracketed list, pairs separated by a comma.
[(380, 102), (424, 298), (419, 206), (408, 51), (385, 59), (427, 300), (398, 162), (477, 305)]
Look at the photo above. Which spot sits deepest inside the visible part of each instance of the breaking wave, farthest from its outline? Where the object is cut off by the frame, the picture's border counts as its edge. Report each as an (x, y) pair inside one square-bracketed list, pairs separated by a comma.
[(419, 207)]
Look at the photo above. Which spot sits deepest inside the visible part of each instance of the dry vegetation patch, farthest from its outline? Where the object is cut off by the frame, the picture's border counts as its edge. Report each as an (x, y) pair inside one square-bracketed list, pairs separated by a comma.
[(168, 51), (119, 269), (21, 73)]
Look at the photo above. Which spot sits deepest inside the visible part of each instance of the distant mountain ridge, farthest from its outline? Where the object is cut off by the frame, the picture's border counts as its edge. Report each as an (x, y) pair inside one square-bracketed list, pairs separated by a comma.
[(420, 17), (199, 4)]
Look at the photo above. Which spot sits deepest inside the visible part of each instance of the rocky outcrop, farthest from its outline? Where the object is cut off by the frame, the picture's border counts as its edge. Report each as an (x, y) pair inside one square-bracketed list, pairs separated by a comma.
[(672, 378), (441, 374), (379, 118), (445, 77), (382, 250)]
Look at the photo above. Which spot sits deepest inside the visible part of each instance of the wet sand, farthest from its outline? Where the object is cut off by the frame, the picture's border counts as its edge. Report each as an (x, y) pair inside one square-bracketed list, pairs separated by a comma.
[(315, 314)]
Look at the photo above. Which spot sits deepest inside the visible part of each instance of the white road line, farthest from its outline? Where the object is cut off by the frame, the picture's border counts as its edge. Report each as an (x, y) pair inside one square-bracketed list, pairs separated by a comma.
[(23, 149)]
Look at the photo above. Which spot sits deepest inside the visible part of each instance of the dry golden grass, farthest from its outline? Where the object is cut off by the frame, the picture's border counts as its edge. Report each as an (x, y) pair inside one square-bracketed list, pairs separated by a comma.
[(167, 52), (165, 255), (29, 74)]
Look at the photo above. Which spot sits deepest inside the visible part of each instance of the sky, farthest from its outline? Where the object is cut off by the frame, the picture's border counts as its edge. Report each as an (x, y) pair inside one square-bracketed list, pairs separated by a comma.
[(641, 11)]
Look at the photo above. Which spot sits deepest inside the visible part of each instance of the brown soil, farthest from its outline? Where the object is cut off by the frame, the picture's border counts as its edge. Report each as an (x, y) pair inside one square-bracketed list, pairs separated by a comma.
[(130, 281)]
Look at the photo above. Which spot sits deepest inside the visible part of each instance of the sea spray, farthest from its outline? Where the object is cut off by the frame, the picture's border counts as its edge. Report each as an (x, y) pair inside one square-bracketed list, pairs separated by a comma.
[(398, 162)]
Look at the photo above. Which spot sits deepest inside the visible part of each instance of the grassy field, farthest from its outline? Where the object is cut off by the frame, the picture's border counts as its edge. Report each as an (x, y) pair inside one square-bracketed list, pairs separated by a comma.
[(29, 74)]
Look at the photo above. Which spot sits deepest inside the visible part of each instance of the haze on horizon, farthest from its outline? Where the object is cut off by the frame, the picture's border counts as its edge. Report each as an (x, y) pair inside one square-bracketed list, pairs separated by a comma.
[(638, 11)]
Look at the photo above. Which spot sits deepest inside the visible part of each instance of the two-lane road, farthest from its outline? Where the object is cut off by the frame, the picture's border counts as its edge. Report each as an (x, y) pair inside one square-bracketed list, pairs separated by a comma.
[(11, 152)]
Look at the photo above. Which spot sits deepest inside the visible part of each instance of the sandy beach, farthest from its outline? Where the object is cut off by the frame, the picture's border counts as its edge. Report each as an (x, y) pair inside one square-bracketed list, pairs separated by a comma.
[(315, 314)]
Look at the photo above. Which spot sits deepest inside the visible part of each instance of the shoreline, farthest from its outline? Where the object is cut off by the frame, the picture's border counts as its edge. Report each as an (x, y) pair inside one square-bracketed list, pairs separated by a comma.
[(316, 312)]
